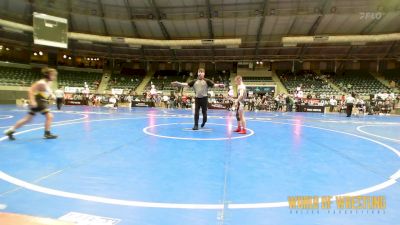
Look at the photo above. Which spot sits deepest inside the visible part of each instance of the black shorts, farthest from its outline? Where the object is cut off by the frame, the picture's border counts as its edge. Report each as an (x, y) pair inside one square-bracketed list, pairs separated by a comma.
[(239, 105), (43, 110)]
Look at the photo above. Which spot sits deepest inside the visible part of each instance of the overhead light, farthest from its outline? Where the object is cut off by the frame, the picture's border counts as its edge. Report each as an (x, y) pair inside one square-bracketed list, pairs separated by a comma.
[(35, 54), (84, 42), (69, 58), (40, 53), (64, 56), (135, 46), (14, 30), (1, 47), (7, 49), (358, 43), (321, 38), (285, 44), (207, 41), (257, 62)]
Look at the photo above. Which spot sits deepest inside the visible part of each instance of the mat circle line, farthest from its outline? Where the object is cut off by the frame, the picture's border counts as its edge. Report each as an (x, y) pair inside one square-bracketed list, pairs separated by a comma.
[(6, 177)]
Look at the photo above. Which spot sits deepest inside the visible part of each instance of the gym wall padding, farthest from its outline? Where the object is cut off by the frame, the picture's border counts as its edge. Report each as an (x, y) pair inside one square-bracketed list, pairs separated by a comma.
[(9, 96)]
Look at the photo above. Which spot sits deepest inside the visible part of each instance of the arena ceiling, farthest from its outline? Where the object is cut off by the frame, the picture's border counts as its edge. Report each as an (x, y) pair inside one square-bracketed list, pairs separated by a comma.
[(260, 24)]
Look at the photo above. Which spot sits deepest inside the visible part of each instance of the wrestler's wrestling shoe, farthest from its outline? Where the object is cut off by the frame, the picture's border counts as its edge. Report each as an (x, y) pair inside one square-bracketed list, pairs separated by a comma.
[(196, 127), (10, 134), (48, 135), (243, 131)]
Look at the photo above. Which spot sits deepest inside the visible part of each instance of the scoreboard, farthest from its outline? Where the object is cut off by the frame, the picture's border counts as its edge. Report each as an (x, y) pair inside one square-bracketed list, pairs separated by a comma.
[(50, 30)]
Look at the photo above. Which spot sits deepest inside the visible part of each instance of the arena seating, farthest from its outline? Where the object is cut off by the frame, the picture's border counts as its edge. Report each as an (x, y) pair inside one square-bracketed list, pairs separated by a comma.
[(392, 75), (257, 79), (10, 76), (126, 79), (311, 82), (78, 78), (162, 78), (358, 81), (219, 76)]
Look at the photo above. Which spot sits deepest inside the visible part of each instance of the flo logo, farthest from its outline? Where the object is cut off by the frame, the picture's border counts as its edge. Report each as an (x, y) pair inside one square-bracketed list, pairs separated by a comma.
[(371, 15)]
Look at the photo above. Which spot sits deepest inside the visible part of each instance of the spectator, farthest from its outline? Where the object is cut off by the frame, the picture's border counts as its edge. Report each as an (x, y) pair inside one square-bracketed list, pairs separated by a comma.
[(289, 103), (332, 103)]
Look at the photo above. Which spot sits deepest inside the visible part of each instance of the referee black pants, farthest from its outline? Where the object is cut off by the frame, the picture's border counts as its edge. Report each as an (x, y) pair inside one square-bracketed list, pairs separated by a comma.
[(203, 104), (59, 102), (349, 109)]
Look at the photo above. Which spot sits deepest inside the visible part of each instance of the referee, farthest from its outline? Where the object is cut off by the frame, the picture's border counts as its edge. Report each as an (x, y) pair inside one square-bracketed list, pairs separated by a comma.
[(350, 100), (200, 87), (59, 97)]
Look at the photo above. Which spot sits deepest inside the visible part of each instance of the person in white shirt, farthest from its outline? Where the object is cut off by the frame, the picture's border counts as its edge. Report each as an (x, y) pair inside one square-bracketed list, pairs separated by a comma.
[(166, 100), (59, 93), (39, 95), (230, 98), (242, 94), (385, 95), (300, 94), (230, 92), (129, 99), (361, 105), (98, 99), (332, 103), (112, 102), (153, 90), (350, 100), (86, 92)]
